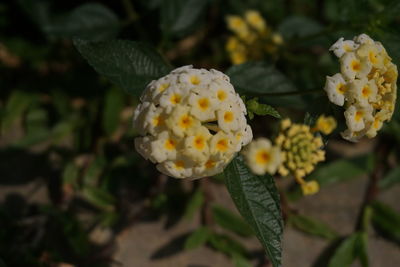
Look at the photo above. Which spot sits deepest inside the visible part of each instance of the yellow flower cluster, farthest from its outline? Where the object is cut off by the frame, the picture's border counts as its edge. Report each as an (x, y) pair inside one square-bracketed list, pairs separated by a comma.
[(252, 37), (366, 86), (192, 123), (296, 151)]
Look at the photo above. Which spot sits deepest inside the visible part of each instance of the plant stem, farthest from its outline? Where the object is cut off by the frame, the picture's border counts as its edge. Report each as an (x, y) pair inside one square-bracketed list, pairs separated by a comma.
[(290, 93)]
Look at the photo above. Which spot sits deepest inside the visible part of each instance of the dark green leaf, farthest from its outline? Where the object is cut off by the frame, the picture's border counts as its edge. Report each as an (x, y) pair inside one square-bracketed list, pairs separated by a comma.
[(361, 249), (253, 106), (386, 220), (70, 173), (261, 78), (240, 261), (130, 65), (177, 16), (345, 254), (312, 226), (393, 177), (297, 26), (257, 200), (226, 244), (113, 105), (230, 221), (17, 104), (94, 171), (98, 197), (194, 203), (197, 238), (91, 21)]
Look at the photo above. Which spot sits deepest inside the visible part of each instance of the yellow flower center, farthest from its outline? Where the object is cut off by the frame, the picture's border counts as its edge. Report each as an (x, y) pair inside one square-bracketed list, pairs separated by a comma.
[(221, 95), (175, 99), (347, 48), (263, 157), (163, 87), (372, 57), (358, 116), (204, 103), (222, 145), (158, 120), (185, 121), (341, 88), (170, 144), (210, 164), (228, 116), (199, 142), (355, 65), (194, 80), (366, 91), (179, 164)]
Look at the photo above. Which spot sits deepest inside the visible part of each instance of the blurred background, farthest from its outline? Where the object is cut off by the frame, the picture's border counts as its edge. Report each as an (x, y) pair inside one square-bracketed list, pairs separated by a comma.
[(73, 192)]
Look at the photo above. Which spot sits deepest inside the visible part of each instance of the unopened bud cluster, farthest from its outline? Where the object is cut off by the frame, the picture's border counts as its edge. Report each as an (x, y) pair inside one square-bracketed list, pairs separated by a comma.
[(191, 122), (366, 85)]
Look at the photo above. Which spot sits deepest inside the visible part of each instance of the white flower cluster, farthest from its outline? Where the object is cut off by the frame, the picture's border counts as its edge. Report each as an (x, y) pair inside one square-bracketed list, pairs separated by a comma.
[(366, 85), (192, 123)]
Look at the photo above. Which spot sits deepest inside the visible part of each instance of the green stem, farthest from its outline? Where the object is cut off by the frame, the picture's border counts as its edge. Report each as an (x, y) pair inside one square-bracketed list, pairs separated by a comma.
[(290, 93)]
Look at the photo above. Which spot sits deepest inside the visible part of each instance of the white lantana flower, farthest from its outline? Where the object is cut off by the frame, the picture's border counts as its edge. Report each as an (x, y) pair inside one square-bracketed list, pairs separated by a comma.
[(262, 157), (191, 123), (366, 86)]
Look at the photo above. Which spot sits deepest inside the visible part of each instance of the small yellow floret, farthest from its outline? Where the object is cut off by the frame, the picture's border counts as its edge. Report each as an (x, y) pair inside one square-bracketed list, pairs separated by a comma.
[(310, 188)]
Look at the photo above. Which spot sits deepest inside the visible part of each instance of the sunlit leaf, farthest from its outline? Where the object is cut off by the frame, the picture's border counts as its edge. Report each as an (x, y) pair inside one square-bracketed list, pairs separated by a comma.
[(194, 204), (198, 238), (312, 226), (230, 221)]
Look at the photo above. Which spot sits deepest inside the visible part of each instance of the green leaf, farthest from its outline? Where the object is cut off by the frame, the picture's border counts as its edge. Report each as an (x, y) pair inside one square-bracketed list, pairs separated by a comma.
[(345, 254), (179, 16), (130, 65), (230, 221), (240, 261), (297, 26), (198, 238), (386, 220), (393, 177), (337, 171), (226, 244), (261, 78), (312, 226), (253, 106), (98, 197), (194, 203), (361, 249), (257, 200), (17, 104), (94, 171), (91, 21), (70, 174), (113, 105)]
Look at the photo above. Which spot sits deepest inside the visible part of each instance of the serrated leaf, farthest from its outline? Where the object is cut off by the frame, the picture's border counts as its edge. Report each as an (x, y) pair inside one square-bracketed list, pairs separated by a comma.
[(253, 106), (226, 244), (91, 21), (198, 238), (177, 16), (393, 177), (312, 226), (386, 220), (194, 203), (230, 221), (257, 200), (130, 65), (113, 105), (345, 254)]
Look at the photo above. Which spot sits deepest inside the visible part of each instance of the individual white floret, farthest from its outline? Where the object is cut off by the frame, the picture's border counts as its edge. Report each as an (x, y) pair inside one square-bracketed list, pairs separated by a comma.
[(243, 137), (240, 103), (172, 97), (341, 47), (203, 105), (211, 167), (182, 167), (352, 136), (228, 117), (154, 119), (139, 117), (351, 66), (335, 87), (222, 144), (193, 78), (372, 53), (164, 147), (376, 125), (222, 91), (356, 117), (262, 157), (218, 75), (182, 69), (362, 91), (180, 121), (363, 39), (196, 145), (142, 146)]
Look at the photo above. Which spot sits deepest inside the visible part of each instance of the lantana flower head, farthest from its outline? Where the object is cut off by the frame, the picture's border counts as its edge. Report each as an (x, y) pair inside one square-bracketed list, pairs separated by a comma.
[(191, 122), (366, 85), (251, 38)]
